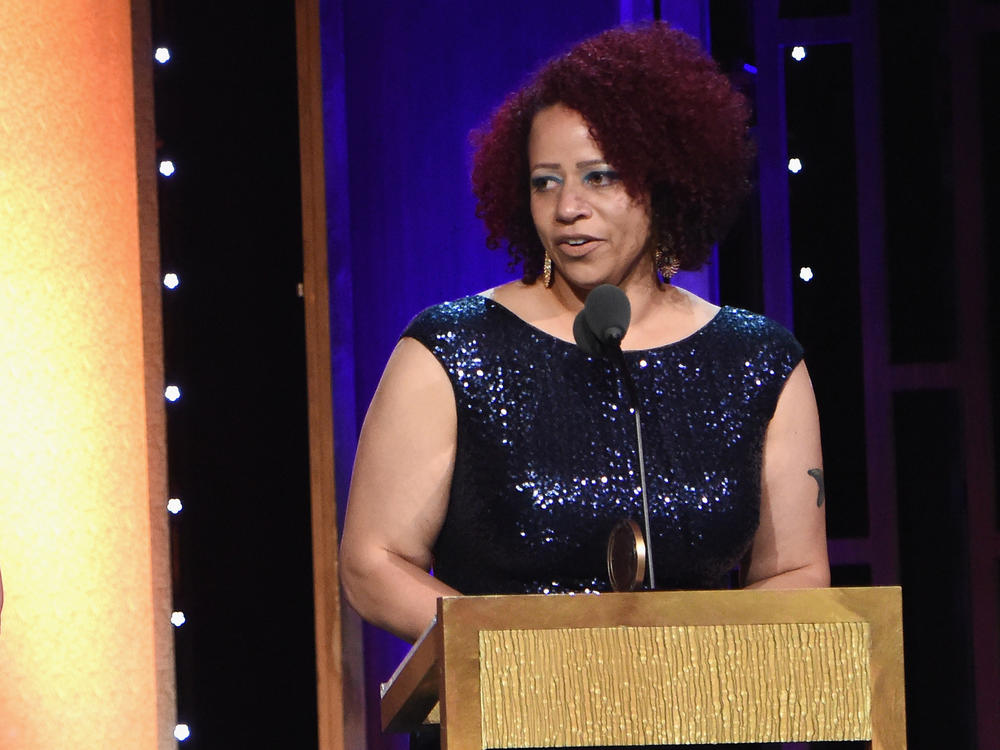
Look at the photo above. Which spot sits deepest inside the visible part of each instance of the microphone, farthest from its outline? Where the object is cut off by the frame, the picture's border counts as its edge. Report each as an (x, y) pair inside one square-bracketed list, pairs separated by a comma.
[(599, 329), (601, 325)]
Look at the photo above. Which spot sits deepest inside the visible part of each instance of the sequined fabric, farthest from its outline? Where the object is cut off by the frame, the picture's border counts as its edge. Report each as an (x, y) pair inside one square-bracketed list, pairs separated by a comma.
[(546, 458)]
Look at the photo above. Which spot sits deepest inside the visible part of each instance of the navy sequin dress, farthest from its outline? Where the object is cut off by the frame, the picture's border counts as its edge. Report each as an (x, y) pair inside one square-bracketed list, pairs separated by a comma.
[(546, 458)]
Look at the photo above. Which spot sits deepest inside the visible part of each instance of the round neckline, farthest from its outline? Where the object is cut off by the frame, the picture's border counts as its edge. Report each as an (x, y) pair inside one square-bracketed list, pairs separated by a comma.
[(710, 323)]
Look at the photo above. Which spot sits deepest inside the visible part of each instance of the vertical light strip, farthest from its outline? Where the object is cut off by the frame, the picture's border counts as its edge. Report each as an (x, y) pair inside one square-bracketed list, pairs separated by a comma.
[(80, 658)]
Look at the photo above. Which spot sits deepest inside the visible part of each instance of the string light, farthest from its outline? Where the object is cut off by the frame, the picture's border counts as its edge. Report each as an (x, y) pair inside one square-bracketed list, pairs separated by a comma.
[(751, 69), (171, 393), (798, 54), (794, 165), (806, 273)]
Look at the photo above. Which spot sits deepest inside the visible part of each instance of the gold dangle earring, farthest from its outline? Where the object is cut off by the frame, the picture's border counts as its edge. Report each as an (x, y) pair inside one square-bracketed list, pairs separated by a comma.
[(666, 263), (547, 271)]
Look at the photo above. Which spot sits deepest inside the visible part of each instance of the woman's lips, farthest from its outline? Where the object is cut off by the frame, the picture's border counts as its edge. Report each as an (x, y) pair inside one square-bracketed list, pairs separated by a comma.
[(577, 246)]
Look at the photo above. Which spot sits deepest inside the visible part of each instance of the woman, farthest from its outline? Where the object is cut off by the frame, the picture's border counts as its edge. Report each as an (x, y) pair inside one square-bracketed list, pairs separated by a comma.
[(498, 453)]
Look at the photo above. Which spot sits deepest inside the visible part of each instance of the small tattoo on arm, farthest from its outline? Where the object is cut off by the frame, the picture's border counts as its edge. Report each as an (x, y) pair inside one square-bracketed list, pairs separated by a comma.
[(817, 474)]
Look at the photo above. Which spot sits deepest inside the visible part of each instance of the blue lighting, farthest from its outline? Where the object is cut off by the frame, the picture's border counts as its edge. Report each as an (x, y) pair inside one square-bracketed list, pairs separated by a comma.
[(751, 69)]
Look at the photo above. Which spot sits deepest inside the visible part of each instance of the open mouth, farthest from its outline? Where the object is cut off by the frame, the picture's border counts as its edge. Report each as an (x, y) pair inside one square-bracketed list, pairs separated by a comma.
[(580, 242)]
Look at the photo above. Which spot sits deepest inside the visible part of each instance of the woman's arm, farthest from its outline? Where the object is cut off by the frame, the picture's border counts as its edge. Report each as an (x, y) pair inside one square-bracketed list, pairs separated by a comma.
[(399, 494), (789, 548)]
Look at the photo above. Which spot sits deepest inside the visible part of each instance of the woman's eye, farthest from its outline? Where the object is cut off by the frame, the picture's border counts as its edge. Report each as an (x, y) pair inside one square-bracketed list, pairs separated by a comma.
[(601, 178), (543, 182)]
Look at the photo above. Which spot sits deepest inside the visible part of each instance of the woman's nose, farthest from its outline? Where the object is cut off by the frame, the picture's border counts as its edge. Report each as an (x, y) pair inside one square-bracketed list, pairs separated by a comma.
[(571, 205)]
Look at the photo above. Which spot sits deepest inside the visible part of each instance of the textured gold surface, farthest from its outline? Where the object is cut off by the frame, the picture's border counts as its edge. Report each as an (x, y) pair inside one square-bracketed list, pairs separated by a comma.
[(640, 686), (83, 662)]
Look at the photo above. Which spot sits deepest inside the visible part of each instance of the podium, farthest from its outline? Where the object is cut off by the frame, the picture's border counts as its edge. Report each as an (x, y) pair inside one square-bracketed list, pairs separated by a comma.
[(655, 668)]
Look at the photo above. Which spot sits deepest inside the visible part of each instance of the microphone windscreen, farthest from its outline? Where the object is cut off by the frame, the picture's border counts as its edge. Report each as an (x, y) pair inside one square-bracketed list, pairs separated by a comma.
[(585, 338), (608, 313)]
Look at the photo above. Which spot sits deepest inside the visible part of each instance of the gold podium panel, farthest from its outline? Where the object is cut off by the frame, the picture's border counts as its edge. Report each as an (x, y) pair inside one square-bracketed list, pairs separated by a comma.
[(652, 668), (674, 685)]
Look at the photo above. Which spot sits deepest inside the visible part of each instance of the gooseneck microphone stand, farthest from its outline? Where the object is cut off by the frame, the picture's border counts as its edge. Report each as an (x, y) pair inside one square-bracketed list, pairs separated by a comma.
[(599, 329)]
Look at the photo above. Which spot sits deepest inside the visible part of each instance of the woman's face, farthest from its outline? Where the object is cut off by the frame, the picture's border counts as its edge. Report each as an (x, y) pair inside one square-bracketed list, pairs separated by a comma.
[(593, 230)]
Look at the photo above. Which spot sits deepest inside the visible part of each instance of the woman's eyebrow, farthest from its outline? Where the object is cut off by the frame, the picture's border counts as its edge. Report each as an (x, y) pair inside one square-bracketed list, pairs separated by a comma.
[(579, 164)]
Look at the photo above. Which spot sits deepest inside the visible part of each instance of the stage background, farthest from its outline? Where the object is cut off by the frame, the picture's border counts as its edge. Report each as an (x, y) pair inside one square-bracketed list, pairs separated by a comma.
[(893, 114)]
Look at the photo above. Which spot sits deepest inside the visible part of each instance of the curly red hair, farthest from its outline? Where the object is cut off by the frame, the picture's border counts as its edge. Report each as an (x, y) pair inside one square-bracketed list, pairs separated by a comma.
[(662, 114)]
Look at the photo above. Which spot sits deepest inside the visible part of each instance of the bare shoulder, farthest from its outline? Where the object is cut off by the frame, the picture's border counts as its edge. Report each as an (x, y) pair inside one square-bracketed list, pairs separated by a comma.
[(697, 309), (516, 296), (413, 357), (413, 383)]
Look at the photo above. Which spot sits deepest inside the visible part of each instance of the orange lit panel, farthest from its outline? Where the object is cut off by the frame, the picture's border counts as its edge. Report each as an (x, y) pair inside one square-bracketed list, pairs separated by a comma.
[(78, 643)]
